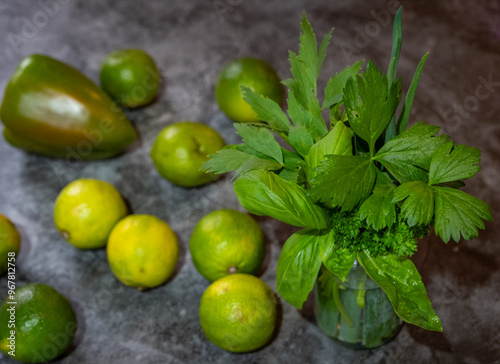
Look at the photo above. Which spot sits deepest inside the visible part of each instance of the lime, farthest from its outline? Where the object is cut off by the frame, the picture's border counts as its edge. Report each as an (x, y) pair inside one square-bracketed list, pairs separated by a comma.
[(238, 312), (10, 241), (225, 242), (142, 251), (39, 327), (252, 73), (181, 149), (131, 77), (86, 211)]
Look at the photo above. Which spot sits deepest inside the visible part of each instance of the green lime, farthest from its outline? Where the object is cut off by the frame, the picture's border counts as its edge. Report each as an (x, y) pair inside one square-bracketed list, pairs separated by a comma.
[(10, 242), (142, 251), (238, 312), (225, 242), (181, 149), (252, 73), (86, 211), (131, 77), (40, 326)]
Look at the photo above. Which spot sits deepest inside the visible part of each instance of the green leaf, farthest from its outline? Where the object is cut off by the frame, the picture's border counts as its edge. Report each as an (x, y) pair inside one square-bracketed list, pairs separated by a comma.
[(408, 156), (301, 84), (337, 141), (459, 214), (378, 210), (261, 140), (400, 280), (300, 139), (226, 160), (418, 205), (334, 91), (452, 163), (314, 124), (266, 109), (344, 181), (370, 103), (265, 193), (405, 112), (291, 160), (337, 260), (397, 39), (298, 266)]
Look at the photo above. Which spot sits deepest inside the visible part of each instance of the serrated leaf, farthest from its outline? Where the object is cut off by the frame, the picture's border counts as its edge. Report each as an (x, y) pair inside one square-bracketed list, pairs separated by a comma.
[(410, 95), (408, 156), (310, 120), (265, 193), (379, 210), (334, 91), (300, 139), (301, 84), (402, 283), (298, 266), (261, 140), (344, 181), (452, 163), (370, 103), (418, 205), (266, 109), (337, 141), (226, 160), (337, 260), (459, 214)]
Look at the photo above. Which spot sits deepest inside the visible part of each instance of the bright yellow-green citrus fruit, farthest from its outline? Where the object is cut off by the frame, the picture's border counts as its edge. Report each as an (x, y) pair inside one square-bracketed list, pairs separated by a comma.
[(252, 73), (225, 242), (10, 242), (42, 326), (238, 312), (142, 251), (131, 77), (181, 149), (86, 211)]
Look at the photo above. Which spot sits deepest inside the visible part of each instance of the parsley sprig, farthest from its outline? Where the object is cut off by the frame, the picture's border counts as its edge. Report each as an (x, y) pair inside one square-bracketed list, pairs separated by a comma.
[(362, 184)]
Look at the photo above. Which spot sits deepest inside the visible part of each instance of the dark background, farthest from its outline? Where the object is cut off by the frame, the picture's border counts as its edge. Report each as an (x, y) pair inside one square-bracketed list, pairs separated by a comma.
[(191, 40)]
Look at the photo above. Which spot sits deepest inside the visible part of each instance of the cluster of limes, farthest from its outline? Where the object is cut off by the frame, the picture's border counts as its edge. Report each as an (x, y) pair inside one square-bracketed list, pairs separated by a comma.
[(238, 310)]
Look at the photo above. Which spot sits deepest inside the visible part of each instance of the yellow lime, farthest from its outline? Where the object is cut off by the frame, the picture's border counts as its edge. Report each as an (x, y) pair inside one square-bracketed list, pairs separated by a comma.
[(10, 242), (181, 149), (131, 77), (225, 242), (142, 251), (252, 73), (238, 312), (40, 326), (86, 211)]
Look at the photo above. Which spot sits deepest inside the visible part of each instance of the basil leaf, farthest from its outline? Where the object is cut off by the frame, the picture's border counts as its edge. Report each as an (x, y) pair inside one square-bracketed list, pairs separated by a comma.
[(265, 193), (337, 260), (402, 283), (261, 140), (298, 266)]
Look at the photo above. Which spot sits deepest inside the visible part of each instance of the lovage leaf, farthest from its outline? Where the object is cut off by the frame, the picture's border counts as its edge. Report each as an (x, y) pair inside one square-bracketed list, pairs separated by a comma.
[(298, 266), (337, 141), (344, 181), (226, 160), (265, 193), (261, 140), (300, 139), (334, 91), (370, 102), (379, 210), (312, 121), (458, 214), (266, 109), (337, 260), (408, 156), (418, 205), (453, 163), (402, 283)]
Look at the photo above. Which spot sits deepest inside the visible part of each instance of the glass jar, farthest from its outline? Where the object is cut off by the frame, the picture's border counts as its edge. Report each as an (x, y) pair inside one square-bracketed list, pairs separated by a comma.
[(356, 312)]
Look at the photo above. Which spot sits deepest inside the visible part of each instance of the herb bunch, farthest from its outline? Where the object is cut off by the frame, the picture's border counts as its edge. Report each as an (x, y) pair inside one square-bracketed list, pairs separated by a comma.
[(365, 187)]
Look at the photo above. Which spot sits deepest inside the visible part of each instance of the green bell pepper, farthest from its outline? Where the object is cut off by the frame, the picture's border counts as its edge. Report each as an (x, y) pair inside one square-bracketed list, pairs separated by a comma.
[(52, 109)]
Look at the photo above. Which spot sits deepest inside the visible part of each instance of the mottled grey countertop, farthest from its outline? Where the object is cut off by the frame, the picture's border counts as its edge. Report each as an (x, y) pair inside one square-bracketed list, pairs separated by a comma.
[(190, 41)]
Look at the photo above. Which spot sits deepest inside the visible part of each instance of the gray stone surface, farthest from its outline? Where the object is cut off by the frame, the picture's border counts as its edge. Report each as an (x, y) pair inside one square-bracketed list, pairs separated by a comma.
[(190, 41)]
